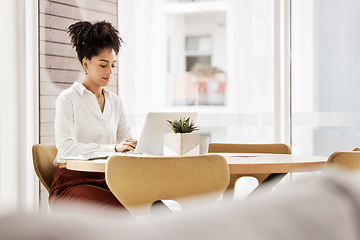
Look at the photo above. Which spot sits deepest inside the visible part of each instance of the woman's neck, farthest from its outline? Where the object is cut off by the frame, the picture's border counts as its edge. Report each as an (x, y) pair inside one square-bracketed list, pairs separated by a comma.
[(95, 89)]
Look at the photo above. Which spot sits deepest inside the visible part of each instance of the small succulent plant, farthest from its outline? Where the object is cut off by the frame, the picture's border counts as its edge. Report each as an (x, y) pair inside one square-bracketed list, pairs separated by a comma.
[(182, 125)]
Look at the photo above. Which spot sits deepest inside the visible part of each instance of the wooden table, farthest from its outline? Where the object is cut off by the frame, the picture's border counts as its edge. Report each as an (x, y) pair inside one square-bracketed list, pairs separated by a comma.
[(276, 165), (241, 163)]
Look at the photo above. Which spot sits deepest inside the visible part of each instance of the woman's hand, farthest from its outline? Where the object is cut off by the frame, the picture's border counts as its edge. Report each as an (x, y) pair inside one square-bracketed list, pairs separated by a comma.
[(126, 145)]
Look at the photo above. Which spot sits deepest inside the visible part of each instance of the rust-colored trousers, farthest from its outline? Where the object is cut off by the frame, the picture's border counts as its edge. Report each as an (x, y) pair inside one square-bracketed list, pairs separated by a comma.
[(88, 188)]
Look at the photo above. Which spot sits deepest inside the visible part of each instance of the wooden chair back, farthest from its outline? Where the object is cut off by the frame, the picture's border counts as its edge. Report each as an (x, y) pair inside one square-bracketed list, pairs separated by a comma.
[(139, 181), (43, 160), (347, 160)]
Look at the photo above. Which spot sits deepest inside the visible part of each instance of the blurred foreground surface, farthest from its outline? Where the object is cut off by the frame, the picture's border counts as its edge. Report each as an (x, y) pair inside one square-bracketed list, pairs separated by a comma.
[(323, 206)]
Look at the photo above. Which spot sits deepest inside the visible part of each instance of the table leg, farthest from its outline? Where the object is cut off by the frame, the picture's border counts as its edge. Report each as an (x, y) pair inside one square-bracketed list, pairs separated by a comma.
[(270, 181), (160, 206)]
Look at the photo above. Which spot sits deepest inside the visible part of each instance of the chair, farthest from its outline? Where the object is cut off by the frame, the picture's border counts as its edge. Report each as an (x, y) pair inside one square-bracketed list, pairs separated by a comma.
[(43, 160), (347, 160), (278, 148), (356, 149), (139, 181)]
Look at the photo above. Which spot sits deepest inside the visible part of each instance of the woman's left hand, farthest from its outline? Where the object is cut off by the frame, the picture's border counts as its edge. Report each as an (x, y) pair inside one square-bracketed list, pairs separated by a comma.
[(126, 145)]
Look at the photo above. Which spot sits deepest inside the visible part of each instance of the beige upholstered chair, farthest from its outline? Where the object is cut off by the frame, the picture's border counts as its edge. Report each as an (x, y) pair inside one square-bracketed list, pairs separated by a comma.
[(347, 160), (139, 181), (356, 149), (278, 148), (43, 158)]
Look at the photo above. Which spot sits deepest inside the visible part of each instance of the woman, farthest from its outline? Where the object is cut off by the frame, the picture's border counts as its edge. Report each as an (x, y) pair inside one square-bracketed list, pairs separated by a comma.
[(89, 118)]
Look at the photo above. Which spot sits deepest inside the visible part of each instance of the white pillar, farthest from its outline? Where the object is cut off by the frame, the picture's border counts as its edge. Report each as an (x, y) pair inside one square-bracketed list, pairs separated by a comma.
[(32, 190), (9, 102), (18, 105), (282, 71)]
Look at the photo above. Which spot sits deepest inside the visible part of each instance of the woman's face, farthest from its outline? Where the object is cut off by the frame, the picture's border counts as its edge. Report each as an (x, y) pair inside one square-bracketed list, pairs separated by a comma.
[(101, 67)]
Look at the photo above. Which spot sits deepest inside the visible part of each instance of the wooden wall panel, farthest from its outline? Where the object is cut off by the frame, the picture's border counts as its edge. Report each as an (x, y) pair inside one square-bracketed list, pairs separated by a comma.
[(52, 89), (48, 141), (58, 62), (101, 6), (47, 129), (59, 65), (73, 12), (54, 35), (47, 102), (47, 115), (55, 22), (57, 49)]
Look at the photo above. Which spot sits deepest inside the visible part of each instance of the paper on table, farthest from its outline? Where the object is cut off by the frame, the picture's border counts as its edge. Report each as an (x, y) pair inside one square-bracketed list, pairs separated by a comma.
[(236, 155), (96, 155), (92, 156)]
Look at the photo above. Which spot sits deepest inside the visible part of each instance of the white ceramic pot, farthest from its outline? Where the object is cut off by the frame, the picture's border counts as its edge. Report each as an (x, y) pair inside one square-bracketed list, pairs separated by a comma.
[(181, 144)]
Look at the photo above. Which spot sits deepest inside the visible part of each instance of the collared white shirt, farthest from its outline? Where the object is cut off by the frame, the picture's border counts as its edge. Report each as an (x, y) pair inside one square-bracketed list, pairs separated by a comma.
[(81, 127)]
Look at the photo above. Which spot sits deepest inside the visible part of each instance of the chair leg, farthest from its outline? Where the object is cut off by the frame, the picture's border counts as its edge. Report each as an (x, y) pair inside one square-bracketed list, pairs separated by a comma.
[(230, 191)]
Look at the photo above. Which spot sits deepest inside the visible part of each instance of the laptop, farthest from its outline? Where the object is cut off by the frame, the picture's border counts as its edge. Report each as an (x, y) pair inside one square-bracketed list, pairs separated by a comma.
[(152, 135)]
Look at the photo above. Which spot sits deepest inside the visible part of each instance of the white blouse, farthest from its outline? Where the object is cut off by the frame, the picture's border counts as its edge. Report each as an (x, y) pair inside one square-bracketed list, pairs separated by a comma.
[(81, 127)]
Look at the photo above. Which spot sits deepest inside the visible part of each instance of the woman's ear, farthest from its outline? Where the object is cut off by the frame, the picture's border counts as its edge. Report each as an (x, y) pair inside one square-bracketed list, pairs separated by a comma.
[(85, 64)]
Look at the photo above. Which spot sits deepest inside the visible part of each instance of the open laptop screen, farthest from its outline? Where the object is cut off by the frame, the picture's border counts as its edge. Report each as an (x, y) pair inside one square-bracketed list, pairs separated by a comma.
[(152, 135)]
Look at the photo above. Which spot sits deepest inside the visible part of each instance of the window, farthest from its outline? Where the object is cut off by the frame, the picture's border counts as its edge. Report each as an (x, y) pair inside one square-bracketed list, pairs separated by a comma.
[(325, 76), (213, 57), (198, 51)]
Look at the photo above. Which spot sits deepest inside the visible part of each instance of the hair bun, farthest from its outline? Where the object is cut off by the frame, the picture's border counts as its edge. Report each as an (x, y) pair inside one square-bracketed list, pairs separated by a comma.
[(77, 33), (89, 39)]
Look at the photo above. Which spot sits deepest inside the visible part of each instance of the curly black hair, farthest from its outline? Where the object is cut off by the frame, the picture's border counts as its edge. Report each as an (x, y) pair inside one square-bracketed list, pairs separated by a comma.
[(89, 39)]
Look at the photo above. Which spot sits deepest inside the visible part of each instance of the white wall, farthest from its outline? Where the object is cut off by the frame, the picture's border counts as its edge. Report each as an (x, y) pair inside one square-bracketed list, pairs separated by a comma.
[(18, 105)]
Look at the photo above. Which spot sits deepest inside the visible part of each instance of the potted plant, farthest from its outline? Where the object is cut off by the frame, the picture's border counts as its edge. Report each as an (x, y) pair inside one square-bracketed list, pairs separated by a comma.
[(182, 141)]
